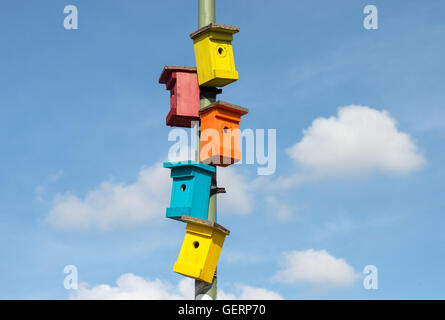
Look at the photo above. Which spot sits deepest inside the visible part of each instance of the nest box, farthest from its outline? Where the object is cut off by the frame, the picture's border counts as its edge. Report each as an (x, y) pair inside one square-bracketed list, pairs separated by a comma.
[(190, 189), (220, 133), (201, 249), (214, 55), (182, 82)]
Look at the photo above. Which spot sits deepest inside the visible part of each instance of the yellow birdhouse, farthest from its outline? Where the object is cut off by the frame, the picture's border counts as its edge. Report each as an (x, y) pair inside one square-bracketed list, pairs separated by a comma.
[(214, 55), (201, 249)]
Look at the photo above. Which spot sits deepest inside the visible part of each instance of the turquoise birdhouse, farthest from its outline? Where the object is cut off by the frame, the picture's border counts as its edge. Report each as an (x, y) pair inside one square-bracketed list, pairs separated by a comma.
[(190, 190)]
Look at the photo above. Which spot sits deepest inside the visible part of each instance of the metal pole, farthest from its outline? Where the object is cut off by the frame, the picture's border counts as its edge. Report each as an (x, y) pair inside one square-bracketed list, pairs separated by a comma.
[(206, 15), (204, 290)]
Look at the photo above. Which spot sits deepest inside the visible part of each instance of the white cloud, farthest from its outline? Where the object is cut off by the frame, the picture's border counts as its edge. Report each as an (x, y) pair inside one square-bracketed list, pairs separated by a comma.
[(359, 140), (129, 286), (317, 268), (280, 210), (240, 195), (114, 205), (132, 287), (244, 292)]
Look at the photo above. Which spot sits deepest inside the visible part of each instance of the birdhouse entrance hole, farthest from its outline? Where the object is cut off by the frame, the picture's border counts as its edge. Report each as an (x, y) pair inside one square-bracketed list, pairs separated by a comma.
[(221, 51)]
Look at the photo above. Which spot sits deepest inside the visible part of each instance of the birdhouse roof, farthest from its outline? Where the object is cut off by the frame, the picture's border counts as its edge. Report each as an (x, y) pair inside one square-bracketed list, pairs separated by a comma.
[(225, 105), (167, 71), (215, 27), (189, 163), (190, 219)]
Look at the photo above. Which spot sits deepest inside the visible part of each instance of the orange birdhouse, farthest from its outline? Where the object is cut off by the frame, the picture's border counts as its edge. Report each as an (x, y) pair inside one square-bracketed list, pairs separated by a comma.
[(220, 133)]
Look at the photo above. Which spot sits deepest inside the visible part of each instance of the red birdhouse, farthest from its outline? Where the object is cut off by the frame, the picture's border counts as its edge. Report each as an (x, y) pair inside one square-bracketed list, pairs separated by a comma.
[(182, 82)]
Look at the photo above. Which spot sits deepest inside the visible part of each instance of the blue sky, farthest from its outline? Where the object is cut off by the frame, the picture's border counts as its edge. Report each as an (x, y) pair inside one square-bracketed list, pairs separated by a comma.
[(82, 119)]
